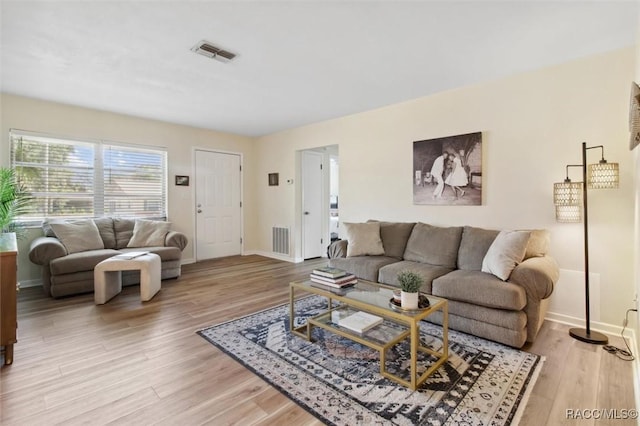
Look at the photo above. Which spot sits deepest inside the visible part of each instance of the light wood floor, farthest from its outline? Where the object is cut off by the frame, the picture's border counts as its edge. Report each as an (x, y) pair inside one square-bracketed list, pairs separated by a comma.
[(129, 362)]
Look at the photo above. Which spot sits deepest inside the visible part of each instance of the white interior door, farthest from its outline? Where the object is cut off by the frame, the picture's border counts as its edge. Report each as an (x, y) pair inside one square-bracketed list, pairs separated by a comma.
[(218, 208), (312, 174)]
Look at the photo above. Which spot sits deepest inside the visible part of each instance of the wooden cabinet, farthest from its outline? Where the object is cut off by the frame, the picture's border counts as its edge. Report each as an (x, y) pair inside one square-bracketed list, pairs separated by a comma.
[(8, 290)]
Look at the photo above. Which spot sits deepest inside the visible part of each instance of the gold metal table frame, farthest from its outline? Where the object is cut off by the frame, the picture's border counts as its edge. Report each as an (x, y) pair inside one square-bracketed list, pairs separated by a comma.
[(374, 298)]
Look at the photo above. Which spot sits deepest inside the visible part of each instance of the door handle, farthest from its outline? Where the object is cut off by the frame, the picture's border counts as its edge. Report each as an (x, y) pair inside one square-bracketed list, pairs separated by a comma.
[(306, 213)]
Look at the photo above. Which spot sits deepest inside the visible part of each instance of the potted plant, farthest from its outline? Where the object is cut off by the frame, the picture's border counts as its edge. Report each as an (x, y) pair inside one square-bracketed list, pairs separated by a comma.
[(13, 201), (410, 284)]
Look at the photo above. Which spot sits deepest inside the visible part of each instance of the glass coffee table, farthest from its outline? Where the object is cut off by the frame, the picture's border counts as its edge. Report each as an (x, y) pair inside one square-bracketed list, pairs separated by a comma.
[(398, 324)]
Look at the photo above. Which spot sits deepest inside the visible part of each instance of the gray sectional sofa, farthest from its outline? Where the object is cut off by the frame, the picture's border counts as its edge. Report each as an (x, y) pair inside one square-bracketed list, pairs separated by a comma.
[(65, 273), (450, 259)]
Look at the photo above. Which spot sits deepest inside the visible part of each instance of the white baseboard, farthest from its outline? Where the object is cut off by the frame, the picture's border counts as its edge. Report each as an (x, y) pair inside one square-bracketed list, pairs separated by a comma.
[(30, 283), (613, 330), (187, 261)]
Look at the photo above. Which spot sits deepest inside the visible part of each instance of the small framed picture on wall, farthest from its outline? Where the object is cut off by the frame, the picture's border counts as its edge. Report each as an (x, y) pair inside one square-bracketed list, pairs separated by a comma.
[(182, 180)]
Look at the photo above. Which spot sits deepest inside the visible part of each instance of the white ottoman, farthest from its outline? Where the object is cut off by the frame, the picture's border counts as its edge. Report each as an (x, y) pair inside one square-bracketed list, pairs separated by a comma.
[(107, 276)]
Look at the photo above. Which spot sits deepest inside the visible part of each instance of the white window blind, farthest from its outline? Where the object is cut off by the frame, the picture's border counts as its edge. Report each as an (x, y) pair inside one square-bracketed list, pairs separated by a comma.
[(71, 178), (134, 181)]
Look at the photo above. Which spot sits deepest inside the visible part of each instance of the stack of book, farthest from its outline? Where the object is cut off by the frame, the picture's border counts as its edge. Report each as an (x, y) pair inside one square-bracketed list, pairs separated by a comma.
[(333, 277)]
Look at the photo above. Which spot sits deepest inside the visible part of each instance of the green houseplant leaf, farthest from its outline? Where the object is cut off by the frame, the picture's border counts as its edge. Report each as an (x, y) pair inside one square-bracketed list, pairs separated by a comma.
[(13, 201), (410, 282)]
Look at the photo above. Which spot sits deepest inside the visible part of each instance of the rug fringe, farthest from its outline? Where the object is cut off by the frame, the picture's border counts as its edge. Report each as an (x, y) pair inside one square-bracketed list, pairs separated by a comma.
[(527, 393)]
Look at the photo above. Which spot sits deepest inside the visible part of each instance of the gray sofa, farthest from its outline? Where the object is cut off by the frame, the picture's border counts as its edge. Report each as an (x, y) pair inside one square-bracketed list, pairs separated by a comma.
[(450, 260), (65, 274)]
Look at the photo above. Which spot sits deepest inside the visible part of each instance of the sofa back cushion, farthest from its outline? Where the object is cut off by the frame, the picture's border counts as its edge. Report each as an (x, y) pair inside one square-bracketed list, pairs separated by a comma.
[(124, 230), (105, 227), (433, 245), (395, 236), (474, 246), (46, 228)]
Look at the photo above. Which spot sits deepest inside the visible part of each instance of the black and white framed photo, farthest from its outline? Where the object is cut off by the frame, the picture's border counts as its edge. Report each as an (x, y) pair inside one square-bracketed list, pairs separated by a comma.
[(448, 171), (634, 116), (182, 180)]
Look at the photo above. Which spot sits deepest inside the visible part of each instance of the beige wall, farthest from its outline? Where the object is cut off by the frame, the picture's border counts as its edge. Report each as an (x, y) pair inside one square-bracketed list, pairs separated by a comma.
[(65, 120), (532, 125)]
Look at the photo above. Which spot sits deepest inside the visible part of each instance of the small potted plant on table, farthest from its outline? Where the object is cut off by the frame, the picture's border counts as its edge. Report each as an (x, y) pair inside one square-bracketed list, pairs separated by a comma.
[(410, 284)]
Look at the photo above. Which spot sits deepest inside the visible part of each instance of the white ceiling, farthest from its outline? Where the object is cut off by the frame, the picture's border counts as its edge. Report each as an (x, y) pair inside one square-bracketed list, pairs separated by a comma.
[(298, 62)]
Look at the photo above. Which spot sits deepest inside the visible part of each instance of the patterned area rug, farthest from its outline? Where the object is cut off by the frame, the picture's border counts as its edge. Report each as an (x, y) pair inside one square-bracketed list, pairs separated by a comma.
[(338, 381)]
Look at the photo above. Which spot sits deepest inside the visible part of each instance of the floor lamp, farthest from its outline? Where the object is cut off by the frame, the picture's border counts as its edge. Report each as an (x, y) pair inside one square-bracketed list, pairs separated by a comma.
[(570, 199)]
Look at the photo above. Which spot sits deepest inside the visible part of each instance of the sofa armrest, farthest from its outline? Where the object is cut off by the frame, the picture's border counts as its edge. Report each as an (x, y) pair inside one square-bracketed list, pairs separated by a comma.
[(538, 276), (337, 249), (44, 249), (176, 239)]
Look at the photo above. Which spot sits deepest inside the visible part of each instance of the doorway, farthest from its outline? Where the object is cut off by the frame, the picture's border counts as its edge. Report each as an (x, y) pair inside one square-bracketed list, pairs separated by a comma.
[(312, 211), (218, 179), (319, 200)]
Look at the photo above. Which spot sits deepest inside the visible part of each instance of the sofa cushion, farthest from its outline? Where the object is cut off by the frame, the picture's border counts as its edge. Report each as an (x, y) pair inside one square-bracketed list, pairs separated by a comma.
[(149, 233), (365, 267), (389, 274), (394, 236), (434, 245), (474, 245), (108, 235), (81, 261), (364, 239), (124, 230), (165, 253), (480, 288), (78, 236), (506, 251), (46, 227)]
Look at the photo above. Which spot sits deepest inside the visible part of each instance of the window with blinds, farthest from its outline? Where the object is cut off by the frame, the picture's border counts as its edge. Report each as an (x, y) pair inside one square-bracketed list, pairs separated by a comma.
[(71, 178)]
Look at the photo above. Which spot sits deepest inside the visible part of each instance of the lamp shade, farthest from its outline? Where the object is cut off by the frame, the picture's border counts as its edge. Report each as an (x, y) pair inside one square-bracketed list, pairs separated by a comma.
[(567, 196), (567, 193), (603, 175), (568, 214)]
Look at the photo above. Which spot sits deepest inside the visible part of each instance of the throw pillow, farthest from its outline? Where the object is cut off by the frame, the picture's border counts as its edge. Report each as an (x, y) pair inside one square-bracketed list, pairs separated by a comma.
[(149, 233), (504, 254), (77, 236), (538, 243), (474, 246), (364, 239)]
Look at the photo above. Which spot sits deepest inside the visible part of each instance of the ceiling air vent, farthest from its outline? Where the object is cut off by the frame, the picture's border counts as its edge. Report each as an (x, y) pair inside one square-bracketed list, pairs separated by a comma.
[(207, 49)]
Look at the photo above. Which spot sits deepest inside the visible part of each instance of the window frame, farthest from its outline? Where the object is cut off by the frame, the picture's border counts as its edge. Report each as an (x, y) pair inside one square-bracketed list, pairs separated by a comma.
[(97, 190)]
